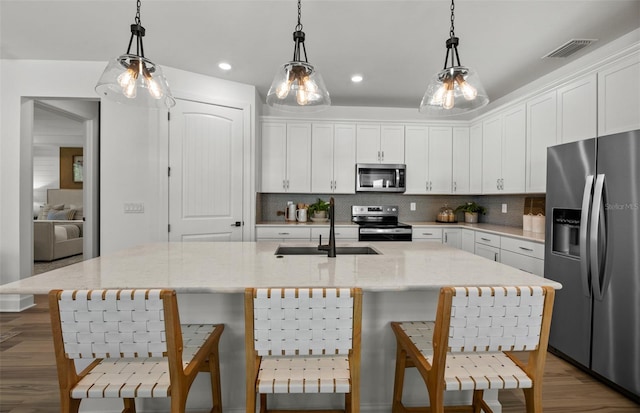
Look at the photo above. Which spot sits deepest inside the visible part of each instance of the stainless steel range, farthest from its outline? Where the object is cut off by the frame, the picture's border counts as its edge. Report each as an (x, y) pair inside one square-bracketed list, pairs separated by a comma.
[(380, 223)]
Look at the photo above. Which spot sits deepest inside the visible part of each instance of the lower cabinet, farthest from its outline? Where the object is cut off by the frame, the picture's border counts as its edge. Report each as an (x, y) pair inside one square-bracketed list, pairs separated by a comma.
[(301, 233), (468, 240), (427, 234), (452, 237), (487, 251), (285, 233), (525, 255)]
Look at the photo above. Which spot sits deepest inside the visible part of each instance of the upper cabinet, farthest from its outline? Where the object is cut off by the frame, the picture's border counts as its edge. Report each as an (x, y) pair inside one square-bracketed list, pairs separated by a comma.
[(541, 133), (429, 159), (503, 152), (577, 110), (619, 96), (286, 157), (461, 161), (333, 158), (377, 143), (475, 158)]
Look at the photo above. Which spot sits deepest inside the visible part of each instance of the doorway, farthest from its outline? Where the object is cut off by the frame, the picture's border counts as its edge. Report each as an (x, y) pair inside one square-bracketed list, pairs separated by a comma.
[(64, 135)]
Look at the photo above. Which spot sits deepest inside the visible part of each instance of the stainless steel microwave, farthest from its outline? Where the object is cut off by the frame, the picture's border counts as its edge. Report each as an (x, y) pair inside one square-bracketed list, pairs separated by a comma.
[(375, 177)]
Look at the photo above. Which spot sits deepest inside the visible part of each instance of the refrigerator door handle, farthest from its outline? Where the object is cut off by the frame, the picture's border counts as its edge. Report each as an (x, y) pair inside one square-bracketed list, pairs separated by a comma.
[(596, 276), (584, 227)]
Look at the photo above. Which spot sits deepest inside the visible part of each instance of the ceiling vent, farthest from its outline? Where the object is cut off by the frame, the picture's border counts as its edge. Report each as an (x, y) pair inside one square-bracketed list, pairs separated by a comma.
[(570, 47)]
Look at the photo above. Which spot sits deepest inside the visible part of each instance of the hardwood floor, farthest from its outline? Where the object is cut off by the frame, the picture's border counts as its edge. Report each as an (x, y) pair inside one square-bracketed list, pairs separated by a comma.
[(28, 381)]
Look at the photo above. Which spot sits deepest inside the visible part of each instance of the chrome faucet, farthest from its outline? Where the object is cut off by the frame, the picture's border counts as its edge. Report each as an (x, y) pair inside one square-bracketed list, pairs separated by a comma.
[(331, 246)]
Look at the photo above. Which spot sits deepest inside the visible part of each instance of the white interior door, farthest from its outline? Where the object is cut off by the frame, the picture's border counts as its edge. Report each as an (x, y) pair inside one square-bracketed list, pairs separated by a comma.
[(205, 184)]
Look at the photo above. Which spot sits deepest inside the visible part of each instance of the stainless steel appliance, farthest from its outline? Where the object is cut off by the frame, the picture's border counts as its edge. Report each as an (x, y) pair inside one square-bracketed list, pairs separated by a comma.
[(380, 223), (593, 249), (374, 177)]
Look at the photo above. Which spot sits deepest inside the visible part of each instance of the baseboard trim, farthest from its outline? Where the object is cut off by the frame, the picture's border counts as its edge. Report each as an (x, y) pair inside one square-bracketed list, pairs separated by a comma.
[(15, 303)]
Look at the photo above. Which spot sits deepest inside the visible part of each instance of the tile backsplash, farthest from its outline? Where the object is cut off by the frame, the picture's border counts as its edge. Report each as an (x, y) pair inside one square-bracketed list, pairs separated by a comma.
[(427, 206)]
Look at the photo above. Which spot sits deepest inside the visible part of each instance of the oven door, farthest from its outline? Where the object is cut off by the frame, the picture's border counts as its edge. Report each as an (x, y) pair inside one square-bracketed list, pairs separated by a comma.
[(384, 234)]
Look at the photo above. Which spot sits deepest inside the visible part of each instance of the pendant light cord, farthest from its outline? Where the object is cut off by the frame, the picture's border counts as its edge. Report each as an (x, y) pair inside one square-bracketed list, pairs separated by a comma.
[(138, 13), (137, 31), (298, 38), (451, 30), (452, 42)]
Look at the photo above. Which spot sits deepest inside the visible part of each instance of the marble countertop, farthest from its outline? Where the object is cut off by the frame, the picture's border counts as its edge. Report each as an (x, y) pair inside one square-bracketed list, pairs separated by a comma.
[(516, 232), (232, 266)]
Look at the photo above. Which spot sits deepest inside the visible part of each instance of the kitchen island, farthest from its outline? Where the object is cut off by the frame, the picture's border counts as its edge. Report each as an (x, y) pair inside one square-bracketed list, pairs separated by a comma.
[(401, 283)]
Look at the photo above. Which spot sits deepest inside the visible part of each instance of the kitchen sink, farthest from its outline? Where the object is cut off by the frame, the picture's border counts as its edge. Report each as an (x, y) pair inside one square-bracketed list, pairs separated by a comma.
[(286, 250)]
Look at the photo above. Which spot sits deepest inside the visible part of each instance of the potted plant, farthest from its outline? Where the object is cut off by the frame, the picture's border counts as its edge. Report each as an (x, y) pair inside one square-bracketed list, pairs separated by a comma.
[(318, 210), (471, 210)]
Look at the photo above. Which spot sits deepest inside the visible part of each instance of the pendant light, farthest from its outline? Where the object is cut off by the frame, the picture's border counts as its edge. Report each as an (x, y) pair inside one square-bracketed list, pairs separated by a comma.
[(297, 86), (456, 89), (134, 79)]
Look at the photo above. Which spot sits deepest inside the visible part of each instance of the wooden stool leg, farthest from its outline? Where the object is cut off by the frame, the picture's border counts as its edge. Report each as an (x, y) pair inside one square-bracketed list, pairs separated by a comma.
[(533, 398), (347, 403), (263, 403), (69, 405), (478, 396), (214, 371), (398, 382), (129, 405)]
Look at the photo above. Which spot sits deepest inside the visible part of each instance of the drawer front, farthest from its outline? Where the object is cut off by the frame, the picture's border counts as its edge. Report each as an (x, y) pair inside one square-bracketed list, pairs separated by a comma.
[(427, 233), (284, 232), (488, 239), (524, 247), (350, 233), (487, 251), (523, 262)]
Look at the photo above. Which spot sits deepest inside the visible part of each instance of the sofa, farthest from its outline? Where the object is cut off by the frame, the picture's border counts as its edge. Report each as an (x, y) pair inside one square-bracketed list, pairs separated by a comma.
[(56, 239), (58, 225)]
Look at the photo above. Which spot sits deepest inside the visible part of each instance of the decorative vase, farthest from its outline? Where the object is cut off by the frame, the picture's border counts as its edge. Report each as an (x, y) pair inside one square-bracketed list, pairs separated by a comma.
[(320, 214), (471, 217)]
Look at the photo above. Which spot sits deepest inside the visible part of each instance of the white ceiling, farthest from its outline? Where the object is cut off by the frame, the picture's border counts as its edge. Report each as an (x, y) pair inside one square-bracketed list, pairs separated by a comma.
[(397, 45)]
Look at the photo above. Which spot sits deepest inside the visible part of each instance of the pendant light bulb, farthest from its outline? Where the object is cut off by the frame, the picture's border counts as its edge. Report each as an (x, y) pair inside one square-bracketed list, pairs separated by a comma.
[(302, 96), (283, 89), (469, 92), (449, 96)]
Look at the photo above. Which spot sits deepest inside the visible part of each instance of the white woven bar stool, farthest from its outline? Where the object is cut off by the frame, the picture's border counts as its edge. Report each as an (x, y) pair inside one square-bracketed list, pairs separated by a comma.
[(140, 348), (468, 347), (303, 340)]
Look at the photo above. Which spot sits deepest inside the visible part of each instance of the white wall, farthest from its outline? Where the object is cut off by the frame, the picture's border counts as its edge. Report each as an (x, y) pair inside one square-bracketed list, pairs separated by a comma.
[(134, 154)]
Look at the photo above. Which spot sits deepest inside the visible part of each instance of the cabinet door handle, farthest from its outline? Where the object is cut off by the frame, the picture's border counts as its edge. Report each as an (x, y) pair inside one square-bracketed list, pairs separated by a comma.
[(283, 233), (495, 256), (485, 239), (379, 156), (427, 233), (284, 184), (526, 249), (455, 185), (445, 237), (382, 159)]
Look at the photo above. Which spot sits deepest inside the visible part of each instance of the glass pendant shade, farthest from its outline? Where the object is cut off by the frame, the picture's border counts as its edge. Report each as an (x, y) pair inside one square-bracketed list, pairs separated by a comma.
[(298, 87), (135, 80), (453, 91)]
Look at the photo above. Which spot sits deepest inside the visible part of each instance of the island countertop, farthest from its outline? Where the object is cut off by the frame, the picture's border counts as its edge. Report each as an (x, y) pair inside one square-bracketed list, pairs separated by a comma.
[(229, 267)]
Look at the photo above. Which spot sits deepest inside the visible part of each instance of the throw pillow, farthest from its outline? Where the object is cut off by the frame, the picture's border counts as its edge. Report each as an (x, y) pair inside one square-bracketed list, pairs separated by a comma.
[(44, 212), (64, 215), (79, 211)]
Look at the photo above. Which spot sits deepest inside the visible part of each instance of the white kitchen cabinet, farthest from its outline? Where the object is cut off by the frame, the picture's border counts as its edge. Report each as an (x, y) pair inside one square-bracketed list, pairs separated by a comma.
[(503, 152), (429, 159), (461, 161), (377, 143), (468, 240), (487, 251), (541, 133), (286, 157), (577, 110), (452, 237), (522, 254), (342, 233), (284, 233), (426, 234), (619, 96), (487, 238), (475, 158), (333, 158)]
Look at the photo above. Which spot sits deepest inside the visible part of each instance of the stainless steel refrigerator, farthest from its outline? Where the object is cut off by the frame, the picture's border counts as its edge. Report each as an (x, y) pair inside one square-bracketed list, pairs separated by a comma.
[(593, 248)]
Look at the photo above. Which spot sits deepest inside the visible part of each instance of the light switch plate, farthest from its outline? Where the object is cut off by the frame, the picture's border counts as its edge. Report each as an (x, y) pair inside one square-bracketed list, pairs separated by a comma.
[(504, 208), (413, 206), (133, 207)]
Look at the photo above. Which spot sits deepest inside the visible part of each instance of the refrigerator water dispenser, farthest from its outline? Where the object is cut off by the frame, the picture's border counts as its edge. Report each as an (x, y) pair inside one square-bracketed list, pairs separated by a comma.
[(566, 232)]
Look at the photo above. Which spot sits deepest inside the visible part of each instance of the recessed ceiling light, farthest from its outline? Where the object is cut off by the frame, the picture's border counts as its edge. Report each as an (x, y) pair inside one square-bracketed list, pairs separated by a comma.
[(224, 66), (356, 78)]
